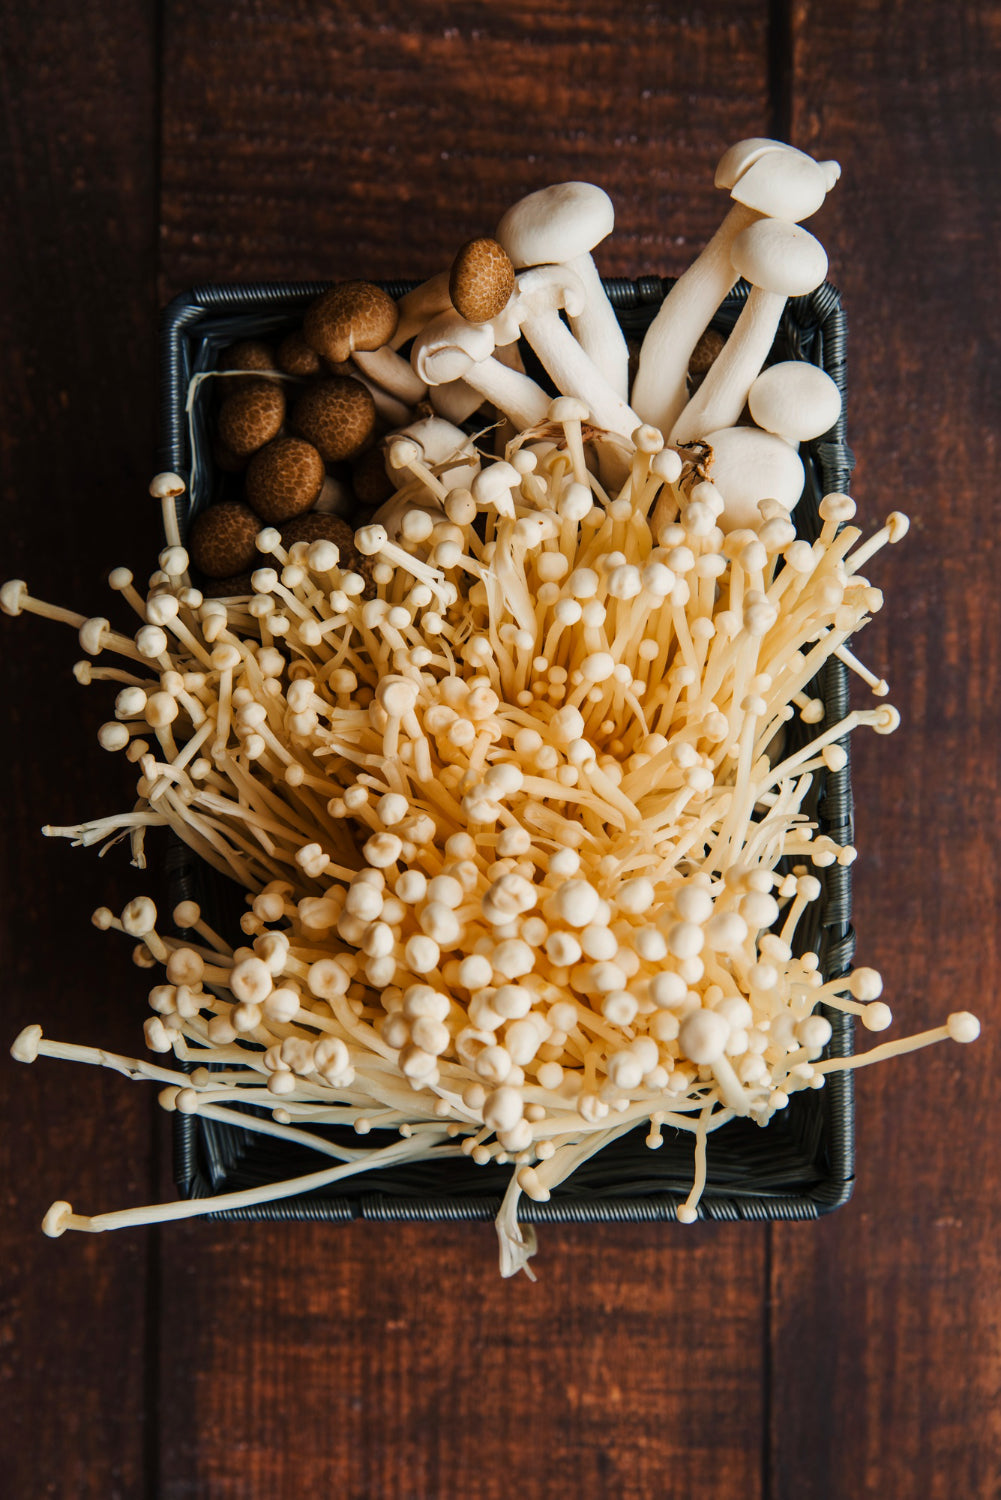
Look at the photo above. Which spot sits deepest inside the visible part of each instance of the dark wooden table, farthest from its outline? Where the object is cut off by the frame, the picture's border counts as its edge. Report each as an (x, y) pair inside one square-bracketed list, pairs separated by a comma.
[(150, 147)]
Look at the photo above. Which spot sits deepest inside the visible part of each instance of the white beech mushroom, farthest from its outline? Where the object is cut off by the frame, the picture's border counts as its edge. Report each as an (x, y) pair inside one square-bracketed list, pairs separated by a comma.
[(790, 186), (561, 225), (780, 260), (795, 400), (450, 349), (535, 307)]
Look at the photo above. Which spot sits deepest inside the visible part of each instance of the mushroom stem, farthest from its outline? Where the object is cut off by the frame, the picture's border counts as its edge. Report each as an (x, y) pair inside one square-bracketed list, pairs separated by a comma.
[(720, 398), (411, 1149), (597, 328), (392, 373), (660, 389)]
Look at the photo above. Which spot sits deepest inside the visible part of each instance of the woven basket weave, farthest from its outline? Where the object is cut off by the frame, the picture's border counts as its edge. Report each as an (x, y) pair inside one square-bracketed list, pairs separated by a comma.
[(802, 1164)]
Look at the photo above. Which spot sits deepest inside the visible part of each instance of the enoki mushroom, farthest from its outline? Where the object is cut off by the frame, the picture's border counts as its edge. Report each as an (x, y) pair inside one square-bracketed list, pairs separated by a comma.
[(525, 854)]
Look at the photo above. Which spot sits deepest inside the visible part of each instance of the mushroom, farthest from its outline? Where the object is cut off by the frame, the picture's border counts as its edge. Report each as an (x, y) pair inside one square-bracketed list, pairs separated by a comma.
[(481, 280), (416, 308), (660, 389), (251, 416), (450, 349), (222, 539), (337, 416), (283, 480), (535, 308), (796, 400), (561, 225), (780, 260), (358, 319), (749, 466)]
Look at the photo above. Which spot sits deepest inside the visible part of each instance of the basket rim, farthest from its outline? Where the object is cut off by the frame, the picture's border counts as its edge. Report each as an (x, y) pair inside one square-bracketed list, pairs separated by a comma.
[(199, 1144)]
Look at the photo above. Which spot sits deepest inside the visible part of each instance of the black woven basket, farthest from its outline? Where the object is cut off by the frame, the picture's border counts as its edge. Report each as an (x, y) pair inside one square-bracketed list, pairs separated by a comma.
[(802, 1164)]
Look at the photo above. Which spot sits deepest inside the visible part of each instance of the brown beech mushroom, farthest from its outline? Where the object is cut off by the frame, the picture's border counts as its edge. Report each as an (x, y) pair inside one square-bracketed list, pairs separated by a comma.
[(252, 355), (251, 416), (298, 357), (283, 480), (481, 280), (561, 225), (221, 539), (357, 319), (337, 416)]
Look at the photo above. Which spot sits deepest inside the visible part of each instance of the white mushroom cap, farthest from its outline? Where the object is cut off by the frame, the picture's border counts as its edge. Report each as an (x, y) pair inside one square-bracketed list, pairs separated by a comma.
[(780, 257), (796, 400), (556, 224), (776, 179), (448, 346), (749, 466)]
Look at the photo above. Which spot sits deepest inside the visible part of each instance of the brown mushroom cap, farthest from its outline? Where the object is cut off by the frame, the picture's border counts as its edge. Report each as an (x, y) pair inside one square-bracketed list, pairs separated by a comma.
[(297, 357), (319, 526), (283, 480), (369, 480), (481, 280), (221, 540), (228, 588), (352, 315), (249, 354), (337, 416), (704, 356), (251, 416)]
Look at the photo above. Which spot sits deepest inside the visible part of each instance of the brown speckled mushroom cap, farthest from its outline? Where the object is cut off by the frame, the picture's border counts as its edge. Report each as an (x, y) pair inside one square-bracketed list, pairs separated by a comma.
[(249, 354), (221, 539), (337, 416), (251, 416), (317, 526), (228, 588), (297, 357), (352, 315), (481, 280), (369, 479), (283, 480)]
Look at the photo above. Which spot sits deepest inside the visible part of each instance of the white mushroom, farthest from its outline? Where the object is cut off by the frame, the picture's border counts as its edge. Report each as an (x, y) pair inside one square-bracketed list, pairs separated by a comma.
[(536, 307), (449, 349), (749, 466), (784, 187), (561, 225), (780, 260), (417, 308), (795, 400)]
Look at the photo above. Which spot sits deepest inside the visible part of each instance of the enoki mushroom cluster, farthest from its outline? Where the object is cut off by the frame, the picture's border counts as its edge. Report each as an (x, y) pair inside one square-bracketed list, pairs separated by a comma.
[(520, 824)]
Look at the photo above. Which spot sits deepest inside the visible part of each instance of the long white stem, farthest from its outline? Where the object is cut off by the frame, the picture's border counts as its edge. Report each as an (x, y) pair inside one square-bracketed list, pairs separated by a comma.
[(597, 329), (575, 375), (721, 397), (660, 389)]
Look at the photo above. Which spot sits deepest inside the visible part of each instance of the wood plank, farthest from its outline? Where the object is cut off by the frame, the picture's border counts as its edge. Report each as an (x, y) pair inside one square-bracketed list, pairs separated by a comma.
[(887, 1318), (322, 142), (390, 1361), (76, 375)]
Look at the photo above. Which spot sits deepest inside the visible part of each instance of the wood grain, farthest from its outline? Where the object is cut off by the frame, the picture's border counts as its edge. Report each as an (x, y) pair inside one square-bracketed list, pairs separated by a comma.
[(391, 1361), (342, 143), (329, 141), (860, 1357), (76, 342), (887, 1345)]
